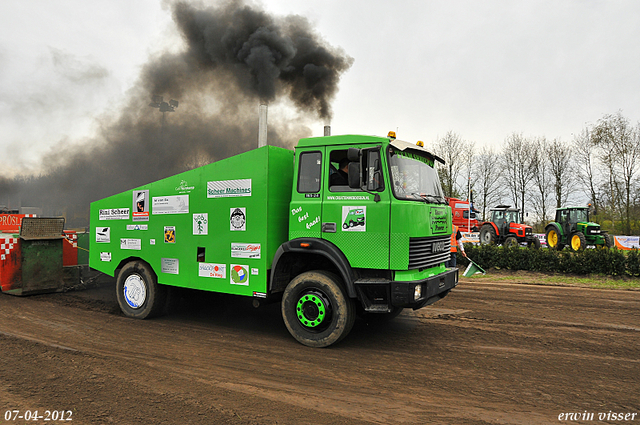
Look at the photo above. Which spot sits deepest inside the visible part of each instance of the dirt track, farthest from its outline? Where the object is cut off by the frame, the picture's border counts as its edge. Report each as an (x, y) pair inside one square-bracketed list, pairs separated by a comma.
[(488, 353)]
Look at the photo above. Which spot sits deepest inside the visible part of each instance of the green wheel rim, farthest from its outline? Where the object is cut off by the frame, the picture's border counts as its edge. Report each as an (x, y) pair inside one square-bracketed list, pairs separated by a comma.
[(311, 310)]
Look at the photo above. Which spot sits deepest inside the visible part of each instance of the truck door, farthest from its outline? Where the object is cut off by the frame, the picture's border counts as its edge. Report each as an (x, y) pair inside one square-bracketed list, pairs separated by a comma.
[(305, 207), (351, 218)]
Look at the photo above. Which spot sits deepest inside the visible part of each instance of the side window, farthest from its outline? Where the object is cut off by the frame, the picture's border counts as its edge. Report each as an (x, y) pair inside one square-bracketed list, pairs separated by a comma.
[(339, 172), (309, 172)]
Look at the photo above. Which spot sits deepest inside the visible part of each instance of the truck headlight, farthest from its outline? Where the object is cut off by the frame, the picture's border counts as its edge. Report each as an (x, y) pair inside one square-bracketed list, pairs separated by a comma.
[(417, 292)]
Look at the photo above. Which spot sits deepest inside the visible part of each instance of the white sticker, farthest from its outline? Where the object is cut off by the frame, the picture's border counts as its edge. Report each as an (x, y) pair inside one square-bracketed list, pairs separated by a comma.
[(177, 204), (354, 219), (169, 265), (201, 224), (229, 188), (137, 227), (239, 274), (212, 270), (131, 244), (103, 234), (114, 214), (105, 256), (238, 219), (245, 250), (254, 271), (152, 241)]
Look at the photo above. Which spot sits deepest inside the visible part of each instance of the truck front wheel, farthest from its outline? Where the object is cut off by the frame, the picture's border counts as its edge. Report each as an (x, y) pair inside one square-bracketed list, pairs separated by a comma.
[(139, 294), (316, 310)]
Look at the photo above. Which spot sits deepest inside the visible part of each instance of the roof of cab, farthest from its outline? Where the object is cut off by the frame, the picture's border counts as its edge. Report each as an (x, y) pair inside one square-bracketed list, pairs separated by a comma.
[(347, 139)]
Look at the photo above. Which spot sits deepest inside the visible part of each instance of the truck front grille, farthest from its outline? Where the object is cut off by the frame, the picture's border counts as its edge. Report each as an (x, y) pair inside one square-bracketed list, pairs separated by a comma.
[(429, 251)]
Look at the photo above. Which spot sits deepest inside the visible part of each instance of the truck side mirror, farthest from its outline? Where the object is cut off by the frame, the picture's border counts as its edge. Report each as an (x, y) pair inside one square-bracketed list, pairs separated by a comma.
[(353, 154), (354, 174)]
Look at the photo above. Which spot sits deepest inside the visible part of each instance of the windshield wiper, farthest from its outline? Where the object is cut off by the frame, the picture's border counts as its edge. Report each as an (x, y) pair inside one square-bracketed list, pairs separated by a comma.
[(430, 199)]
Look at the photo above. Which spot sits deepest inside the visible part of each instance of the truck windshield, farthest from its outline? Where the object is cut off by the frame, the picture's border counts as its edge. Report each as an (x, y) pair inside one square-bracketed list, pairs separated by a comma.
[(414, 176)]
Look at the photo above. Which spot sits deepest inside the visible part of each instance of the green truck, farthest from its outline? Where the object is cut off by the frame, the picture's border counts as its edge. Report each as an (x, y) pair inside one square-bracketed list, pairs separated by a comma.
[(268, 224)]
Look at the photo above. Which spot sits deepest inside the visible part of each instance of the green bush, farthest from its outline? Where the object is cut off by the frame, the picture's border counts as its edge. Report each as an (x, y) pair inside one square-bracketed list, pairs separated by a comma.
[(591, 261)]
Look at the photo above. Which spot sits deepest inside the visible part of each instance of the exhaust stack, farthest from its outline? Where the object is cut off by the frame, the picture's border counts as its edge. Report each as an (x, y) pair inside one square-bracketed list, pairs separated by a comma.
[(262, 126), (327, 130)]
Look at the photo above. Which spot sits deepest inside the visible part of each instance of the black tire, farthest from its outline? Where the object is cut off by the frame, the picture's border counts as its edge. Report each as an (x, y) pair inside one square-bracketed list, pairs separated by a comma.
[(534, 243), (350, 223), (378, 318), (607, 240), (345, 226), (316, 310), (138, 292), (578, 242), (510, 241), (487, 234)]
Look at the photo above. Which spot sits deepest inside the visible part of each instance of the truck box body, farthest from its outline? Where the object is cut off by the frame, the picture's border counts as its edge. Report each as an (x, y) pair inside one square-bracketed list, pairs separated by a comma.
[(274, 223), (194, 210)]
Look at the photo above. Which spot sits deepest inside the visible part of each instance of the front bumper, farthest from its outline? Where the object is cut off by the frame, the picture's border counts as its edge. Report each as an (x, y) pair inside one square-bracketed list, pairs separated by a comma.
[(433, 289)]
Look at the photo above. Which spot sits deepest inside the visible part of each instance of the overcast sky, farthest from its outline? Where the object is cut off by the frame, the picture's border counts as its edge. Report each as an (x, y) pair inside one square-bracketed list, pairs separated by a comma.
[(484, 69)]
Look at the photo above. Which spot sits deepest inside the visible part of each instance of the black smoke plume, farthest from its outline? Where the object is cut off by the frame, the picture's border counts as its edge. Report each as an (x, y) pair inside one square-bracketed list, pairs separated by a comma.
[(235, 56)]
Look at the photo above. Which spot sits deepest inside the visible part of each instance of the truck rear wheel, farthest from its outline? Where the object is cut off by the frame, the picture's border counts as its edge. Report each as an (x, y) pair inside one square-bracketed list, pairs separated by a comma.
[(316, 310), (139, 294)]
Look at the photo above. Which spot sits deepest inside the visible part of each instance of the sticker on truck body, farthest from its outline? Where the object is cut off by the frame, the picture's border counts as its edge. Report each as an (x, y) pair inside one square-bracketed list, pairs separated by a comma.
[(229, 188), (201, 224), (177, 204), (238, 219), (239, 274), (103, 234), (169, 234), (169, 265), (114, 214), (135, 244), (105, 256), (245, 250), (218, 271), (354, 219), (140, 205)]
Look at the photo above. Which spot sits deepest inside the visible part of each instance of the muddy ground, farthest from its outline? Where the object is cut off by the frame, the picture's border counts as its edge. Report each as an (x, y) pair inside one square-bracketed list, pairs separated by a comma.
[(489, 353)]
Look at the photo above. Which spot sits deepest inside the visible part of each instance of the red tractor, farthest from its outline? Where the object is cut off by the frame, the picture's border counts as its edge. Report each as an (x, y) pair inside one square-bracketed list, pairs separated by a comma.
[(505, 229)]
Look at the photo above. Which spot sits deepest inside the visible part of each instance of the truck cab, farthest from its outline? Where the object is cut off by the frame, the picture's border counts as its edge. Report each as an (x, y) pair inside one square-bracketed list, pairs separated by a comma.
[(385, 236)]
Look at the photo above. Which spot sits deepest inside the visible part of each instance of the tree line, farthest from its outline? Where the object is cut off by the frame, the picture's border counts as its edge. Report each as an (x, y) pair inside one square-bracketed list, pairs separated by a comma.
[(599, 168)]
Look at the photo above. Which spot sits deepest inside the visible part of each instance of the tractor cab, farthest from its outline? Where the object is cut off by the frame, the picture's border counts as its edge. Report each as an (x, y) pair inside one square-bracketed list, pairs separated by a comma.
[(569, 218), (505, 217)]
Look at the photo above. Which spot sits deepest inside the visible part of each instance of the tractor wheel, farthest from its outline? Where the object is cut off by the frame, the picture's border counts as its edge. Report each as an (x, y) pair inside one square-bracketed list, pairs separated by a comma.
[(534, 243), (487, 235), (607, 240), (510, 241), (553, 239), (138, 292), (316, 310), (578, 242)]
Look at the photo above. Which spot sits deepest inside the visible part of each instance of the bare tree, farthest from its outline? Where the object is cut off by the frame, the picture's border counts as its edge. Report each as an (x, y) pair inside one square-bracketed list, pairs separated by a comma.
[(487, 180), (619, 145), (540, 170), (517, 155), (560, 166), (455, 153), (585, 162)]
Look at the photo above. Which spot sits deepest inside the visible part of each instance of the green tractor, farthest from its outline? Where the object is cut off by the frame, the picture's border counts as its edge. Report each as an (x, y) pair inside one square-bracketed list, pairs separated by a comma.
[(572, 227)]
